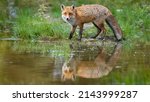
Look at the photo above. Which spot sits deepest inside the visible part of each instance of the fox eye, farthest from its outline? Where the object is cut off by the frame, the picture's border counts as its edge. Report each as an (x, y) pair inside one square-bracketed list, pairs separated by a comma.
[(65, 13), (70, 14)]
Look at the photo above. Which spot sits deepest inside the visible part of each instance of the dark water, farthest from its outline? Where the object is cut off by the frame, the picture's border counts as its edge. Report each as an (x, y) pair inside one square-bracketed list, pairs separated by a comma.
[(65, 62)]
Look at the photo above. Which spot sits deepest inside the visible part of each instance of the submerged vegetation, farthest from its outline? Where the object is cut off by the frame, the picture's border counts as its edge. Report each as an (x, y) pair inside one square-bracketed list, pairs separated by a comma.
[(42, 19)]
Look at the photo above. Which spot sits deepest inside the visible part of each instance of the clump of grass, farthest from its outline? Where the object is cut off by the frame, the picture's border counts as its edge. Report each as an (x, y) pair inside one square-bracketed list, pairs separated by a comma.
[(133, 22), (29, 26)]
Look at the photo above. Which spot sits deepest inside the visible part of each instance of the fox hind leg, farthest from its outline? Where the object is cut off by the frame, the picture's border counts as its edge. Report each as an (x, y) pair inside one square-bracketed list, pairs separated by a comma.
[(103, 30), (100, 29)]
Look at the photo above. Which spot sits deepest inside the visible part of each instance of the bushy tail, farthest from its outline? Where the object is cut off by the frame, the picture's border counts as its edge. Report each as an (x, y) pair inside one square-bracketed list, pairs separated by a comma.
[(111, 21)]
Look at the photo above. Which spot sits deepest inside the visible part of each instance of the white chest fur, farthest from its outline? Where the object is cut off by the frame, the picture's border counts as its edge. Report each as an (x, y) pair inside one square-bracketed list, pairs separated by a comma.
[(71, 21)]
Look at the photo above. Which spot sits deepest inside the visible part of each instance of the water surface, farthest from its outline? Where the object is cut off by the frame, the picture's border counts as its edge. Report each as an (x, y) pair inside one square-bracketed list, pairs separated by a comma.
[(90, 62)]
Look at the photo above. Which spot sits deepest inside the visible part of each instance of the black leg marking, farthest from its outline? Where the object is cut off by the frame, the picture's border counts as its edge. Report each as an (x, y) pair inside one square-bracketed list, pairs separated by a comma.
[(98, 30)]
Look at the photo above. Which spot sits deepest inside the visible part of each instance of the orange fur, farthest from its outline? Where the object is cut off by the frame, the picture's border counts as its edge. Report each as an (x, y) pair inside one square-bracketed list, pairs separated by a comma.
[(97, 14), (96, 68)]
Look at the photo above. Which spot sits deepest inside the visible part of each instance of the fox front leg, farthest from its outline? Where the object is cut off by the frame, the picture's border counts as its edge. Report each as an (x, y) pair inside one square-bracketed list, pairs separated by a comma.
[(73, 28), (80, 32)]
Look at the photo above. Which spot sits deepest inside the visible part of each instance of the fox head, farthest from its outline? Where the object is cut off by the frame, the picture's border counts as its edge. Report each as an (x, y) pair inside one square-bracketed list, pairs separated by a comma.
[(67, 73), (68, 13)]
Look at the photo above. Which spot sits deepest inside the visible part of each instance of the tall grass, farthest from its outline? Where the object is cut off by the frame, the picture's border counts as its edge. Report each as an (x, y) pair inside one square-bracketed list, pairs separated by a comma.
[(132, 15), (31, 26)]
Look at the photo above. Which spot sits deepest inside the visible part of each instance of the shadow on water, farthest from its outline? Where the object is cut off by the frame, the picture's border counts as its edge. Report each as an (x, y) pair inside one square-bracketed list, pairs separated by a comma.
[(64, 62)]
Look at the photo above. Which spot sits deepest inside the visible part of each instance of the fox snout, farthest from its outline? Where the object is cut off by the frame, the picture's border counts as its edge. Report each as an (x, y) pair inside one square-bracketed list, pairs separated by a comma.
[(68, 18)]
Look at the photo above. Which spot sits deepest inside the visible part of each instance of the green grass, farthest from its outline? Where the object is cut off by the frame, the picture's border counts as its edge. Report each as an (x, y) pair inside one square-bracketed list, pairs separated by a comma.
[(132, 16), (133, 22), (30, 26)]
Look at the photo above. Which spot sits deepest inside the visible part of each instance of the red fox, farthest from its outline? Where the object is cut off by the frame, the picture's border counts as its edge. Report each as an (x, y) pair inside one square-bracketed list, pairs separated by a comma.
[(101, 66), (97, 14)]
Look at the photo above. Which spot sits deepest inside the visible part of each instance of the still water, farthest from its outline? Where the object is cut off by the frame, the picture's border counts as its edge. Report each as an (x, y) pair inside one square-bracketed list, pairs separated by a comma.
[(64, 62)]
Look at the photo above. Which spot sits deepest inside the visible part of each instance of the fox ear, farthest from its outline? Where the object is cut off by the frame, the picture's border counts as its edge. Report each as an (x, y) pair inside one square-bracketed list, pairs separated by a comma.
[(62, 7), (73, 7)]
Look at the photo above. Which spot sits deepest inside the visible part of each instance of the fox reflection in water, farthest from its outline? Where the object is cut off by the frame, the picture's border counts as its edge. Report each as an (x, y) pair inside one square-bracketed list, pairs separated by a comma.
[(101, 66)]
